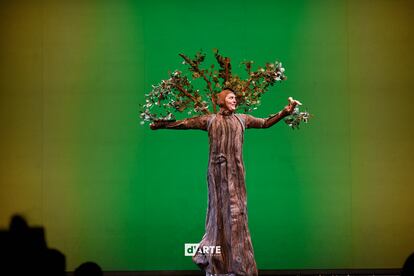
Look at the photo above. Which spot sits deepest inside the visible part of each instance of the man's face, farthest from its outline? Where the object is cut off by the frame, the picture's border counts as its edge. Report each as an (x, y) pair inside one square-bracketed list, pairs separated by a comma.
[(231, 102)]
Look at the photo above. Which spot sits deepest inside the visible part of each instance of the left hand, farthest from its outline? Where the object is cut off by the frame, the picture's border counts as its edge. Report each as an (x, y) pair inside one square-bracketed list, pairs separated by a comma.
[(291, 106)]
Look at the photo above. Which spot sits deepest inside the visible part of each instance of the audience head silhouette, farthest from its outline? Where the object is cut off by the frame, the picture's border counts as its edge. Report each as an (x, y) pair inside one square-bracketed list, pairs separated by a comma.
[(88, 269), (408, 268), (24, 250)]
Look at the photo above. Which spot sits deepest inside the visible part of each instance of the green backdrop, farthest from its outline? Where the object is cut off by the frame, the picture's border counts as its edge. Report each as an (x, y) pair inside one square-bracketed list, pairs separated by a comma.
[(338, 193)]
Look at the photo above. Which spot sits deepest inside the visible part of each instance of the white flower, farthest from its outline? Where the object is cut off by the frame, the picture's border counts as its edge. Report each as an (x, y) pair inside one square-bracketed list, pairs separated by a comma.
[(169, 116)]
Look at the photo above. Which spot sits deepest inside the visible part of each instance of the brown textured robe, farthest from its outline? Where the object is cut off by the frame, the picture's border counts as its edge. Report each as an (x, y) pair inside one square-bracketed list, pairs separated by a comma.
[(226, 221)]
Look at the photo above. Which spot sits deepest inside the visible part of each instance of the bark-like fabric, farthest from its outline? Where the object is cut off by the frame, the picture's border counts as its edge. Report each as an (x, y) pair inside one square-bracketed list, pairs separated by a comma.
[(226, 221)]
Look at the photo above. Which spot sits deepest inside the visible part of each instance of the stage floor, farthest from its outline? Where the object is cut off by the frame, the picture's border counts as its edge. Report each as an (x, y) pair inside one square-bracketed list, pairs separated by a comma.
[(307, 272)]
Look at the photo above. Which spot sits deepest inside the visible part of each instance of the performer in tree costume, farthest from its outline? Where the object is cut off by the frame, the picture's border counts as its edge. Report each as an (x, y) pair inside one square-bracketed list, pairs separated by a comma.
[(227, 221)]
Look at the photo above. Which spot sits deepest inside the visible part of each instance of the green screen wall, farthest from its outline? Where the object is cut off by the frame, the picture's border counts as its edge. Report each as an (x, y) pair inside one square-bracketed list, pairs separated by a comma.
[(338, 193)]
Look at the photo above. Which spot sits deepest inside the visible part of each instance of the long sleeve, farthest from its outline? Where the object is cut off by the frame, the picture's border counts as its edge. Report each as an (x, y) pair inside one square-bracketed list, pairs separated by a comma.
[(199, 122), (253, 122)]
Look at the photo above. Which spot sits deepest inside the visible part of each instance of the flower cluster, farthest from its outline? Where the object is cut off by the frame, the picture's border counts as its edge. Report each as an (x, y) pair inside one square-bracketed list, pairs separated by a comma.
[(294, 119)]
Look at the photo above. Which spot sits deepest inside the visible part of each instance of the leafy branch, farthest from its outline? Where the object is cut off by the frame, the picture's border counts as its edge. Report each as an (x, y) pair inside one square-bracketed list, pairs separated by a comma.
[(177, 94)]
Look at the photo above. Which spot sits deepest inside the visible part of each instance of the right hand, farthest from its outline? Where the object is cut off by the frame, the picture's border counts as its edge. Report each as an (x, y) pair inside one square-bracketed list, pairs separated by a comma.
[(159, 124), (155, 125)]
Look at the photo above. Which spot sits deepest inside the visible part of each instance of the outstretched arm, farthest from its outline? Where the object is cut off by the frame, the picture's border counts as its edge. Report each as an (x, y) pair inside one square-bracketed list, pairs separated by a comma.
[(199, 122), (252, 122)]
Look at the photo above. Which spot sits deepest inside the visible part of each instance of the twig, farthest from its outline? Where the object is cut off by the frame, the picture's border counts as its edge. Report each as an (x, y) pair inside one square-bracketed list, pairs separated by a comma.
[(179, 87), (201, 72)]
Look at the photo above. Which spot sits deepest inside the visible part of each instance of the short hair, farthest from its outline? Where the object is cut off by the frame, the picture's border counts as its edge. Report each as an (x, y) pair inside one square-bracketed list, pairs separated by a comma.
[(222, 96), (229, 88)]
